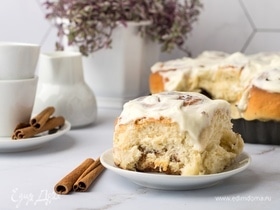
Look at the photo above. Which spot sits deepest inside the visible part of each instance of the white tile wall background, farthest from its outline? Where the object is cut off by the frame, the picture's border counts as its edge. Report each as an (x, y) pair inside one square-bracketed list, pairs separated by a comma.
[(248, 26)]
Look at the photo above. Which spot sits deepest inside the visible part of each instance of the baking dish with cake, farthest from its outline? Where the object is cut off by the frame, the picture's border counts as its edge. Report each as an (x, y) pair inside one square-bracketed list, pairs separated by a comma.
[(250, 83)]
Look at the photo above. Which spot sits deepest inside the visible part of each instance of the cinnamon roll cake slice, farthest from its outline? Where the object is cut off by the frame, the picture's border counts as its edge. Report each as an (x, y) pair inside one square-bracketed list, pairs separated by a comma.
[(178, 133)]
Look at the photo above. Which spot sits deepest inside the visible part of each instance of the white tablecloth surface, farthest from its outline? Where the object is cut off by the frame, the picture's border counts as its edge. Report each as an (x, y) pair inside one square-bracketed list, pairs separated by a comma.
[(27, 178)]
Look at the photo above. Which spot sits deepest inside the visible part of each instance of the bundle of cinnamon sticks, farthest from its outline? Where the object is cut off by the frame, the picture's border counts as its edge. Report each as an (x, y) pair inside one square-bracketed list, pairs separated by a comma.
[(80, 178), (42, 122)]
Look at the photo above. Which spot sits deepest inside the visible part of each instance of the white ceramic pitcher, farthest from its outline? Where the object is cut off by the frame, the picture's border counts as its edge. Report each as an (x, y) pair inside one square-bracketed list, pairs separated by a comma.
[(62, 85)]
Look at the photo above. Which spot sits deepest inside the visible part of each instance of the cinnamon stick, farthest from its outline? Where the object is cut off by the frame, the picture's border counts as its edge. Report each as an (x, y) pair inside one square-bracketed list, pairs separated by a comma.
[(39, 120), (27, 132), (91, 167), (86, 181), (52, 123), (21, 125), (65, 185), (89, 175)]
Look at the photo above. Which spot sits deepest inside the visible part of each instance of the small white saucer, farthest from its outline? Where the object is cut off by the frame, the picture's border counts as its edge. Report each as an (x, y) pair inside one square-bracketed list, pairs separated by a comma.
[(9, 145), (175, 182)]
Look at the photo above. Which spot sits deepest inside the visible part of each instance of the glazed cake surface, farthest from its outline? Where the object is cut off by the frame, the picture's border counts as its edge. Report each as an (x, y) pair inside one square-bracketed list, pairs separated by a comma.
[(261, 100), (182, 133), (221, 76)]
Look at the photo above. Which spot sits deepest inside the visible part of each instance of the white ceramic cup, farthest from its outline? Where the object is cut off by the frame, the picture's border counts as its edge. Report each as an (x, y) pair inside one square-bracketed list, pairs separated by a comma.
[(18, 60), (17, 98)]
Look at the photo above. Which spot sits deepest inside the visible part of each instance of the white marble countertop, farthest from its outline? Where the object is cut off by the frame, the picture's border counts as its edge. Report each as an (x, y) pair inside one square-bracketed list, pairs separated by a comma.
[(27, 178)]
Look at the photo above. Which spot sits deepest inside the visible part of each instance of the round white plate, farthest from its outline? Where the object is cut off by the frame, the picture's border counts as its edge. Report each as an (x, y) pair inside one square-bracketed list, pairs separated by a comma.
[(175, 182), (9, 145)]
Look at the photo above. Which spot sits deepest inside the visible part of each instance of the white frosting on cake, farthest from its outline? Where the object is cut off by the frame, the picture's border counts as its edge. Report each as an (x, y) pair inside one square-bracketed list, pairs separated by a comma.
[(192, 111), (243, 102), (268, 80), (174, 71), (192, 74)]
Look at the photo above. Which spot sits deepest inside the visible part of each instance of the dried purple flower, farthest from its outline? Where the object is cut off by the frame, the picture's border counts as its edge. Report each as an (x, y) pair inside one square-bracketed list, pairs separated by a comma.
[(89, 24)]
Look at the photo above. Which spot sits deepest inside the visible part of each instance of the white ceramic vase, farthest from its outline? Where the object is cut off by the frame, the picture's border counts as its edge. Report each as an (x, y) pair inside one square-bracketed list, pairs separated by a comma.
[(121, 73), (62, 85)]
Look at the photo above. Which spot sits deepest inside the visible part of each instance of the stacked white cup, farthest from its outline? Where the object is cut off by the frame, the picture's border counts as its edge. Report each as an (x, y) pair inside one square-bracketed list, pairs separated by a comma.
[(18, 84)]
